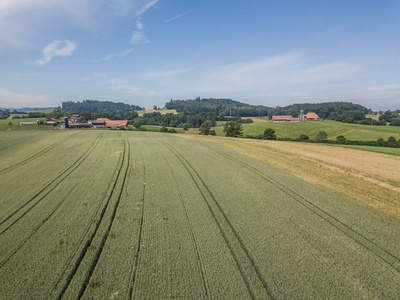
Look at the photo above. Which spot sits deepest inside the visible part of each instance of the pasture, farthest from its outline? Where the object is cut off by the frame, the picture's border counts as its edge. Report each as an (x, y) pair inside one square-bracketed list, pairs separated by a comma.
[(312, 128), (106, 214)]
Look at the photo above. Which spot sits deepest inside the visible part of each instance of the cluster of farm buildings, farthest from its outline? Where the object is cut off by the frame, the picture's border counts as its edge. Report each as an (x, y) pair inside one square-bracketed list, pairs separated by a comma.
[(311, 116), (74, 122)]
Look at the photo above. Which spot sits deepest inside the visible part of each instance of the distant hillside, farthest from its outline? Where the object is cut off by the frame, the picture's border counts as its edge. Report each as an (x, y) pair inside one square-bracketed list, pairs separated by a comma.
[(218, 107), (26, 109), (97, 106), (339, 111)]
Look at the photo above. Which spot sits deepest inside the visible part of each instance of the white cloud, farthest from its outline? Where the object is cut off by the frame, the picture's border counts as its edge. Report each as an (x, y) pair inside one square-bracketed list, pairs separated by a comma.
[(25, 22), (57, 48), (19, 100), (139, 24), (146, 7), (139, 38)]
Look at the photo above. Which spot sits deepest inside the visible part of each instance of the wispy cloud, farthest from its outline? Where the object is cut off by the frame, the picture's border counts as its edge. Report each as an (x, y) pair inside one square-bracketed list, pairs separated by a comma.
[(19, 100), (139, 38), (57, 48), (178, 16), (139, 24), (146, 7), (281, 71), (120, 54), (164, 74), (25, 22), (131, 90)]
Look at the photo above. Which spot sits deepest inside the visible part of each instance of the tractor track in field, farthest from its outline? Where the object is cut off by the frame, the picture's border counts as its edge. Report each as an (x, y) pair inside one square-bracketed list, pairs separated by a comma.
[(81, 241), (114, 212), (357, 237), (42, 193), (135, 265), (256, 284), (36, 155), (193, 237), (125, 160), (88, 152)]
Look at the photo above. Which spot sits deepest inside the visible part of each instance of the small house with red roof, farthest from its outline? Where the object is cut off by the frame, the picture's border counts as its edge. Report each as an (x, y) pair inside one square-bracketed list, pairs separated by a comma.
[(311, 116)]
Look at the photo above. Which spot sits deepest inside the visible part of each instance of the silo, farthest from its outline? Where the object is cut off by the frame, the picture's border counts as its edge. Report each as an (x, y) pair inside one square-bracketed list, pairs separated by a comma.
[(302, 117), (66, 122)]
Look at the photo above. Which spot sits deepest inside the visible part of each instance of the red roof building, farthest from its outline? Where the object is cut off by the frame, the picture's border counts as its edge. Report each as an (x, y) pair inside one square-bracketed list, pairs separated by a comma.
[(113, 123), (284, 119), (311, 116)]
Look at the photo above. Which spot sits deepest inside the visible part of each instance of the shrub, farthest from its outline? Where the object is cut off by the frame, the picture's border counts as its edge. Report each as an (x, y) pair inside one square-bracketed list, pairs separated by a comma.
[(304, 137), (269, 134)]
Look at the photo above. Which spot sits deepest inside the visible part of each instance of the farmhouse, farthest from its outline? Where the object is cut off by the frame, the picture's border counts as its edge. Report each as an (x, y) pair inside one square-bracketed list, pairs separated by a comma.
[(75, 118), (284, 119), (111, 123), (311, 116), (52, 122)]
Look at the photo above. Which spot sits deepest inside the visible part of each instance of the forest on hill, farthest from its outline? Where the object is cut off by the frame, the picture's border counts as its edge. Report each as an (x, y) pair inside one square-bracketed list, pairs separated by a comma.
[(218, 106), (97, 106)]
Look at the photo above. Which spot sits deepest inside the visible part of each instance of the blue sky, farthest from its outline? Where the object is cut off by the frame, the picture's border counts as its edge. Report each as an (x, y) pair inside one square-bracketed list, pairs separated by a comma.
[(146, 52)]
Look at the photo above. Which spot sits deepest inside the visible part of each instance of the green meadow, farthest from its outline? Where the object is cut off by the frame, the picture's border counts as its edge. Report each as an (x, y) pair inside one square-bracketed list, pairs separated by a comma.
[(312, 128)]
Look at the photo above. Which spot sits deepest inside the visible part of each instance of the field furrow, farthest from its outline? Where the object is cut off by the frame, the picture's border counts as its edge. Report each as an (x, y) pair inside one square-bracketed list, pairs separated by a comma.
[(255, 281), (21, 211), (112, 214), (379, 251)]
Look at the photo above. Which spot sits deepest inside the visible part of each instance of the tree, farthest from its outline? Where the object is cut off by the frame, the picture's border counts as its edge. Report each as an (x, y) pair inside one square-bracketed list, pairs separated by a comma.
[(304, 137), (137, 124), (9, 123), (212, 132), (171, 130), (185, 126), (341, 139), (163, 129), (205, 128), (269, 134), (322, 136), (233, 129)]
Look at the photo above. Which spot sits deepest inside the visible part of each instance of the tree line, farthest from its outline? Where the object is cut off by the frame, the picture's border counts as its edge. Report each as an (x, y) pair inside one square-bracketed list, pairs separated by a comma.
[(93, 106)]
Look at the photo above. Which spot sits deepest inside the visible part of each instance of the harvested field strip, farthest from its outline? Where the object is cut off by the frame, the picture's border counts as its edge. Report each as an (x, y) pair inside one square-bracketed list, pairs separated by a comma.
[(36, 155), (47, 189), (385, 255), (88, 260), (255, 282)]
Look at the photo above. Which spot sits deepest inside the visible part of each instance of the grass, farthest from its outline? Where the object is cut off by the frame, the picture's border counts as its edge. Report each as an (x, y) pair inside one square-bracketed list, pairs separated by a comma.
[(384, 150), (95, 213), (312, 128), (15, 124)]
